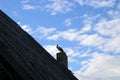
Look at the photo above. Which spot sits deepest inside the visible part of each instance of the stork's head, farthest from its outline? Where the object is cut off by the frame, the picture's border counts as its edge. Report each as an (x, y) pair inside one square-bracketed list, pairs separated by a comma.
[(57, 46)]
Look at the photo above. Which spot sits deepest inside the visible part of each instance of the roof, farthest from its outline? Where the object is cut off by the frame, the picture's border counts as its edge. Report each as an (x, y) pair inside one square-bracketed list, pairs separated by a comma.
[(25, 57)]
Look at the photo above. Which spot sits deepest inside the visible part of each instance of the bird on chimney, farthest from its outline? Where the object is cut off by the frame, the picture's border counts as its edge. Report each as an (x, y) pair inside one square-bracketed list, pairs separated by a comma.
[(59, 48)]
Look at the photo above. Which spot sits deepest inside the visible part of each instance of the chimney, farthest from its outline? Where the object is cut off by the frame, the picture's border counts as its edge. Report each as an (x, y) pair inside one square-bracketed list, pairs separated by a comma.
[(62, 59)]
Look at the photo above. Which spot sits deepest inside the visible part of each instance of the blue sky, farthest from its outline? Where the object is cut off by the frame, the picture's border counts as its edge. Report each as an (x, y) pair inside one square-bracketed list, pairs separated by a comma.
[(88, 31)]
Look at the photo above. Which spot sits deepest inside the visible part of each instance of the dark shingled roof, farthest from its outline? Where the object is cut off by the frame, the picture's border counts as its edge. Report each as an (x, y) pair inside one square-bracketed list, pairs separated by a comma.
[(22, 58)]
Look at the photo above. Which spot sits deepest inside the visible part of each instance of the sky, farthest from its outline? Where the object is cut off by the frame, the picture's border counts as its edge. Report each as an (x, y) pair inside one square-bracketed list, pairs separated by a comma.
[(87, 30)]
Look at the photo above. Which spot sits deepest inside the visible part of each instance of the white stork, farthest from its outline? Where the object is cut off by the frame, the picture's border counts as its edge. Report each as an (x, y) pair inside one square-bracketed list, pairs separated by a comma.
[(59, 48)]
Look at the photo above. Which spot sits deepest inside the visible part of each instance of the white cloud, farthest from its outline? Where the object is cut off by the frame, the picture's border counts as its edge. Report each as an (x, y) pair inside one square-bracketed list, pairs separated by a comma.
[(15, 13), (114, 13), (108, 28), (28, 7), (25, 1), (53, 37), (88, 21), (70, 35), (31, 5), (86, 28), (39, 32), (72, 52), (85, 53), (97, 3), (100, 67), (92, 40), (68, 22), (69, 51), (112, 45), (51, 49), (42, 30), (59, 6), (72, 60), (108, 38), (81, 37), (27, 29)]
